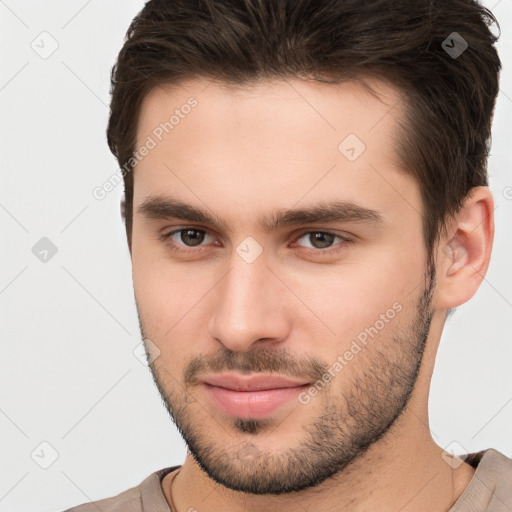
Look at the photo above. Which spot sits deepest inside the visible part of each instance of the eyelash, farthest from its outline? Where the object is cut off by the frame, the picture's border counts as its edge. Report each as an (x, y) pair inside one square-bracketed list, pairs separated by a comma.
[(177, 248)]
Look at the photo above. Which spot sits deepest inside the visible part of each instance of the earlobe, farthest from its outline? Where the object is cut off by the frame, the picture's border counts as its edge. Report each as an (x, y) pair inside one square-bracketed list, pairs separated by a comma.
[(465, 254)]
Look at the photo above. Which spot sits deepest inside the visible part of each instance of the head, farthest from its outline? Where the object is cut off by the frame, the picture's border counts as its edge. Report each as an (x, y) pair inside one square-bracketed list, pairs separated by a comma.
[(374, 136)]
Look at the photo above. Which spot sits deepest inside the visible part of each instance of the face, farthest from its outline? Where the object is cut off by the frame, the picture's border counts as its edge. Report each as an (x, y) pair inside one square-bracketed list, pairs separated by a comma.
[(275, 233)]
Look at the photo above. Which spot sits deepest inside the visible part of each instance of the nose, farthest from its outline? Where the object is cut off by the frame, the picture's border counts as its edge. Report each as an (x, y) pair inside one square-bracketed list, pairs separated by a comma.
[(250, 306)]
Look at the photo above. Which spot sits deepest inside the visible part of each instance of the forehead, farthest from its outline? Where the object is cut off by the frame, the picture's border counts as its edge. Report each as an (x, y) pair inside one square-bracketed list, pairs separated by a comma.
[(361, 105), (274, 142)]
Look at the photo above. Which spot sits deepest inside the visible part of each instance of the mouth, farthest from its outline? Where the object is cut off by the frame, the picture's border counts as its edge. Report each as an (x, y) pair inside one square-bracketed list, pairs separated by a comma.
[(254, 397)]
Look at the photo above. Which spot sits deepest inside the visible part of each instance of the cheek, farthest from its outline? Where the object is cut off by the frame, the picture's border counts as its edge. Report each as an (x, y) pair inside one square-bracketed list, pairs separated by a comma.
[(165, 306), (158, 295), (172, 300), (351, 298), (165, 298)]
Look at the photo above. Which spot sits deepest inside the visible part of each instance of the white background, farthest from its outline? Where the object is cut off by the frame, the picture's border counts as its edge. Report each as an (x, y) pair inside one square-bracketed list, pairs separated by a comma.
[(68, 327)]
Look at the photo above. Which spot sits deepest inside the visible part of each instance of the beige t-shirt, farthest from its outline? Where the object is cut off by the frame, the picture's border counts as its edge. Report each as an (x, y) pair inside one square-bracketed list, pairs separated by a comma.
[(490, 489)]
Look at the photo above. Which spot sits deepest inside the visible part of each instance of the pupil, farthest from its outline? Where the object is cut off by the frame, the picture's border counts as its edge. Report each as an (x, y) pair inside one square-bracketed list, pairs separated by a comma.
[(196, 240), (321, 237)]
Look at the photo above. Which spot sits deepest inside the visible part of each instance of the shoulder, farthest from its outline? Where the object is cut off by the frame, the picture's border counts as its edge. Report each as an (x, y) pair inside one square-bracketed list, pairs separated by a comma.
[(135, 499), (494, 458), (494, 471), (129, 500)]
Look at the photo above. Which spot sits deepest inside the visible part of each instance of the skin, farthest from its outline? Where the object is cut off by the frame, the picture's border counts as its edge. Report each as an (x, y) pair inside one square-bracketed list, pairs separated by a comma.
[(363, 441)]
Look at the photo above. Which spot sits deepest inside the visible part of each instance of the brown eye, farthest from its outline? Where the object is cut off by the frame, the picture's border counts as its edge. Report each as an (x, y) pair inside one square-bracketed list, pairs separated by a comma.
[(185, 239), (192, 237), (320, 239)]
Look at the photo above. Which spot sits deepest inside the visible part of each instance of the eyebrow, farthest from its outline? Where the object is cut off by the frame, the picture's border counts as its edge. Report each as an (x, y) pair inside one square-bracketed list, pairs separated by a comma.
[(166, 207)]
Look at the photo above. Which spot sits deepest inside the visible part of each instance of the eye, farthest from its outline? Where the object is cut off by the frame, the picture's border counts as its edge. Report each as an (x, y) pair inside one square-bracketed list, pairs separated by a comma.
[(187, 237), (321, 240)]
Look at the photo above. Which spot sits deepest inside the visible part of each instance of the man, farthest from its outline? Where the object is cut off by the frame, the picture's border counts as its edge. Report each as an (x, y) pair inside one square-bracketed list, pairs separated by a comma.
[(306, 200)]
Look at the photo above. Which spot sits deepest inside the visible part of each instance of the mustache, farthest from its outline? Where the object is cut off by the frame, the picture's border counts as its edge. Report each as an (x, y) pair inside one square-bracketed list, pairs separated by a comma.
[(262, 360)]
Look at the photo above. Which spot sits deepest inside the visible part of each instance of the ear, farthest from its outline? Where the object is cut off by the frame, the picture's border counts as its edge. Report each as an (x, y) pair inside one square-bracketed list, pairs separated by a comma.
[(463, 256)]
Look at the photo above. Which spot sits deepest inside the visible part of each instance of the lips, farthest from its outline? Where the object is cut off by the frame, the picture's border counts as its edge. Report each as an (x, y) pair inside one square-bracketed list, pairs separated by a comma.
[(256, 396), (252, 383)]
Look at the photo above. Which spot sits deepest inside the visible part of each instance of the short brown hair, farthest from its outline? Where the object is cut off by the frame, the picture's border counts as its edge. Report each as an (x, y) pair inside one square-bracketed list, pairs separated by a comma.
[(450, 98)]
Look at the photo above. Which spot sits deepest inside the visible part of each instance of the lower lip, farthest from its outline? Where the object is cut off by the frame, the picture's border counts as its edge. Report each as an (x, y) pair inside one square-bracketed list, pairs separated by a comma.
[(251, 404)]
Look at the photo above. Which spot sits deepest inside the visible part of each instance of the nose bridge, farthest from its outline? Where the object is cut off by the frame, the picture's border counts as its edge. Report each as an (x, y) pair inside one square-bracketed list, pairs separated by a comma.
[(245, 293), (247, 305)]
